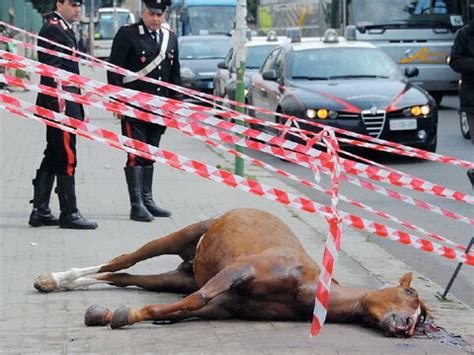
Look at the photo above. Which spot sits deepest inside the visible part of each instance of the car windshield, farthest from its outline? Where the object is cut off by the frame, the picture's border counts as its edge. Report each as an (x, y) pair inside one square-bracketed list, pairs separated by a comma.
[(405, 13), (257, 54), (204, 48), (211, 19), (107, 25), (334, 63)]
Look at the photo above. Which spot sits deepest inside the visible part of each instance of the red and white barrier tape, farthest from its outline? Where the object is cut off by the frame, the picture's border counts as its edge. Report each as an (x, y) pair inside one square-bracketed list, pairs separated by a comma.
[(382, 146), (333, 241), (300, 159), (203, 170), (191, 129), (141, 99), (123, 109), (104, 65)]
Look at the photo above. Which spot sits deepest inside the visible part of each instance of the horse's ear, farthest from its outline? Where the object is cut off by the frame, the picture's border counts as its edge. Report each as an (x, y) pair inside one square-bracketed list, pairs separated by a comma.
[(405, 280)]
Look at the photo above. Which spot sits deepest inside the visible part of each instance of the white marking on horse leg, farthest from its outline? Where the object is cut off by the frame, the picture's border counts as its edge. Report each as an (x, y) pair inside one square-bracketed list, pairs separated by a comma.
[(83, 282), (74, 273), (57, 280)]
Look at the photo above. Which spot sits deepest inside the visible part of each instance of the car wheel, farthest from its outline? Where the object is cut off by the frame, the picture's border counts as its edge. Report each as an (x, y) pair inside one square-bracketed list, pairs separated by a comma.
[(464, 122), (438, 97), (251, 113)]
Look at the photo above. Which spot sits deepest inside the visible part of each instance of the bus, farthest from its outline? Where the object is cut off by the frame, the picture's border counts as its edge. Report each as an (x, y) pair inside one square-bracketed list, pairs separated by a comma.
[(110, 19), (201, 17), (412, 32)]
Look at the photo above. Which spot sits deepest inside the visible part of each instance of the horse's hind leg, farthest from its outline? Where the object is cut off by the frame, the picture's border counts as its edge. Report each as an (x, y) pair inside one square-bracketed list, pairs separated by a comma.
[(182, 243), (192, 305)]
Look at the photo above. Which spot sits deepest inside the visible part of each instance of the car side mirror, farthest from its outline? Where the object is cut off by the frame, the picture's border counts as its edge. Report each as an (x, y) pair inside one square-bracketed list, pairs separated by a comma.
[(411, 72), (222, 65), (270, 75)]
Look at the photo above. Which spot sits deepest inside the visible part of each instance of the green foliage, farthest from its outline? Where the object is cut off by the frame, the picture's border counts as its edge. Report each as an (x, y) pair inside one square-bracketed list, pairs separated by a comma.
[(21, 74)]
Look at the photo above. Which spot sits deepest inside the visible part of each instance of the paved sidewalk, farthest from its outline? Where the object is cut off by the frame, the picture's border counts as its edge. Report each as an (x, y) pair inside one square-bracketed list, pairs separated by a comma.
[(53, 323)]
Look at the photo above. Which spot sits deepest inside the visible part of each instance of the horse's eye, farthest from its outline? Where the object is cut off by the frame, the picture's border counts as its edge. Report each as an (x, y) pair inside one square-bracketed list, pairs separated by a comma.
[(410, 292)]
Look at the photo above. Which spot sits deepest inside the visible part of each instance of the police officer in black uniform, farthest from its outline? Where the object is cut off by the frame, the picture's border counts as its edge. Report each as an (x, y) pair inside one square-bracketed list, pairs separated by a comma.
[(150, 50), (60, 154)]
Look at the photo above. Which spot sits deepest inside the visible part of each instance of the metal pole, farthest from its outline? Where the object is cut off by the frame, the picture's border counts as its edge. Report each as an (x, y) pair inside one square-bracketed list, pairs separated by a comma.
[(239, 47), (115, 17), (91, 29), (455, 274), (139, 9)]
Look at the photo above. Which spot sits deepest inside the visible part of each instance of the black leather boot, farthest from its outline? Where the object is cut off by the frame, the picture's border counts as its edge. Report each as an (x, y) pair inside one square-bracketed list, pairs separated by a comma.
[(150, 205), (138, 211), (470, 175), (70, 216), (41, 214)]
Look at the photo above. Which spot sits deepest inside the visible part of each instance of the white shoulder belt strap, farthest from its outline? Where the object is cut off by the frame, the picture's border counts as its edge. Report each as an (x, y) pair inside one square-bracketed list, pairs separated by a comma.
[(154, 63)]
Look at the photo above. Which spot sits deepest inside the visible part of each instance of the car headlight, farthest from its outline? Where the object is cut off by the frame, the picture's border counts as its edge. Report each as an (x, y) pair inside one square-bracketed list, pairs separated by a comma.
[(321, 113), (425, 110), (311, 113), (186, 73), (417, 111)]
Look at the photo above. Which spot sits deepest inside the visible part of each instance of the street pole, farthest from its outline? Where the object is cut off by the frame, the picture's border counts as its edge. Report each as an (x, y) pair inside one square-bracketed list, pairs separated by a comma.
[(91, 29), (239, 39), (455, 274), (115, 17), (139, 9)]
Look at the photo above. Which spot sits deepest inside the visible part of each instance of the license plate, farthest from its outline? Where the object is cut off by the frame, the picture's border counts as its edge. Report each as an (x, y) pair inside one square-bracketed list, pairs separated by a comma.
[(402, 125)]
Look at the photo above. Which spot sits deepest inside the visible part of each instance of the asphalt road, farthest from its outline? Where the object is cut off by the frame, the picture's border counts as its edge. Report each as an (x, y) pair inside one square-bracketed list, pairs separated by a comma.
[(450, 142)]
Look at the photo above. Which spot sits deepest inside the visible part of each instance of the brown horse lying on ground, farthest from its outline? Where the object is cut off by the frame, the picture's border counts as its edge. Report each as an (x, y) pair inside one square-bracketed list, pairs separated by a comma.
[(245, 264)]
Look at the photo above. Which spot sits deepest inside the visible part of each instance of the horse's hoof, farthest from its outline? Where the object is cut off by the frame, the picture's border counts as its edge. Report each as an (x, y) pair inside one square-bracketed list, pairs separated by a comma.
[(120, 317), (45, 283), (97, 316)]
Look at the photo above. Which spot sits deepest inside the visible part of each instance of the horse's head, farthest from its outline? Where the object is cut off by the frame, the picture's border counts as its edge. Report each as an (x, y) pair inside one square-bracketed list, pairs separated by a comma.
[(396, 310)]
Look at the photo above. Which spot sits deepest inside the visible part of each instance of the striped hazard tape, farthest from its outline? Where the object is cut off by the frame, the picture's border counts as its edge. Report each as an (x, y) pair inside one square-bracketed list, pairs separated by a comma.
[(182, 163), (141, 100)]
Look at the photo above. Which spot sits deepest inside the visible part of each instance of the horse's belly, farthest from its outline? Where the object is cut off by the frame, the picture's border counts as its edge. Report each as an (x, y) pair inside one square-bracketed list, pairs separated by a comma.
[(236, 234), (271, 310)]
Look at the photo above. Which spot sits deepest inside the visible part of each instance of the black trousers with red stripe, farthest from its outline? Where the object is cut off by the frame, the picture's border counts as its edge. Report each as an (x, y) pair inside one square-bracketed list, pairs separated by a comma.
[(60, 153), (146, 132)]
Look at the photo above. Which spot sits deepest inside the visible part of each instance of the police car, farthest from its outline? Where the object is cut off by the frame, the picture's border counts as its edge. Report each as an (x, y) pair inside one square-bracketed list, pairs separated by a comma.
[(198, 57), (352, 85), (257, 49)]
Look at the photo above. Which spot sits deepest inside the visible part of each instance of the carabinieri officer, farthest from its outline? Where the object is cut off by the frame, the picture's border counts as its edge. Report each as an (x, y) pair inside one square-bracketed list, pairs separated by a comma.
[(149, 49), (60, 154)]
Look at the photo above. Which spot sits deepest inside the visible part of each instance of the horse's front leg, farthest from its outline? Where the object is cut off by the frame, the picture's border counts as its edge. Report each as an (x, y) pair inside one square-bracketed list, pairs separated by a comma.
[(229, 277)]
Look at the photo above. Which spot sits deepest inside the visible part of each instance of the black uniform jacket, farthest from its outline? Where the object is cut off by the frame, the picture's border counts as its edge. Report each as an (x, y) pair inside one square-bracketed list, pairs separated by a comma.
[(133, 48), (57, 30), (462, 61)]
